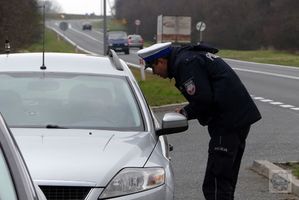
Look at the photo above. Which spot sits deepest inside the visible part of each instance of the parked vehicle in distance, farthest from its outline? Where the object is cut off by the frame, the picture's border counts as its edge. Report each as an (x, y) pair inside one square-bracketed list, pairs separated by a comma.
[(85, 128), (15, 181), (86, 26), (135, 41), (118, 41)]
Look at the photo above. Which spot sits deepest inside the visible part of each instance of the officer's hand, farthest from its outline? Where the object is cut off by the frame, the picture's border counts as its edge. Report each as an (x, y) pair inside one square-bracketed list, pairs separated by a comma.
[(181, 111), (178, 110)]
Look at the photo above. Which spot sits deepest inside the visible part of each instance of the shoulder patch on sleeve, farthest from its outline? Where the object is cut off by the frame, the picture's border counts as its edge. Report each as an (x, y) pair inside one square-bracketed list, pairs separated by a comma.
[(190, 87), (211, 56)]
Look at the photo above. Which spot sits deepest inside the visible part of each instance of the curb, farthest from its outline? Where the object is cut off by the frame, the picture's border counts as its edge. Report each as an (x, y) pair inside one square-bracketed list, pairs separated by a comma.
[(267, 169), (168, 108)]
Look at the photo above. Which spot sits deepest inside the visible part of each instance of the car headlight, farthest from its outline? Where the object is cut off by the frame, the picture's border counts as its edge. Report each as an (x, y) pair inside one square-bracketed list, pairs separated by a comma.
[(132, 180)]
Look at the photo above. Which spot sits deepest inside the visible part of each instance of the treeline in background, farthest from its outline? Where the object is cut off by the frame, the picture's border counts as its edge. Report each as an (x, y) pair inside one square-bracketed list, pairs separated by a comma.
[(19, 23), (233, 24)]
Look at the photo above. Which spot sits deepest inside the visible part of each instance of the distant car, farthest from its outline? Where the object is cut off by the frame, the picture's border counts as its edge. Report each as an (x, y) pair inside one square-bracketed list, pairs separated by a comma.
[(87, 26), (85, 128), (118, 41), (15, 181), (135, 41)]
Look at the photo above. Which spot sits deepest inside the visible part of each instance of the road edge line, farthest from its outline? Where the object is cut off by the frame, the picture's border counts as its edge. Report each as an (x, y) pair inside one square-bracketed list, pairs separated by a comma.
[(257, 63), (71, 42)]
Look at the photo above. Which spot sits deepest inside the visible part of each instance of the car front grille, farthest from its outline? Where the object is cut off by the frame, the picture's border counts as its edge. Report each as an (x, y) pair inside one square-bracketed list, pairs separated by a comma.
[(118, 45), (65, 193)]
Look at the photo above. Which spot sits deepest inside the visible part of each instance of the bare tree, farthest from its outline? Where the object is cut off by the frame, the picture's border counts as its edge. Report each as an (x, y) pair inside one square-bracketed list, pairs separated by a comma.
[(52, 6)]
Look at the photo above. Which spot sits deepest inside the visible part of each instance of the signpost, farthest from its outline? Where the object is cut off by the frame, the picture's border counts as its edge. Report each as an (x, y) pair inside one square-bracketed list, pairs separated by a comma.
[(200, 26), (137, 23), (105, 30)]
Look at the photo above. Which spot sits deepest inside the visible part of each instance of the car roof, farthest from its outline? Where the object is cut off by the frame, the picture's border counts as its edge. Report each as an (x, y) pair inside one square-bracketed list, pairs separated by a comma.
[(117, 32), (134, 35), (59, 62)]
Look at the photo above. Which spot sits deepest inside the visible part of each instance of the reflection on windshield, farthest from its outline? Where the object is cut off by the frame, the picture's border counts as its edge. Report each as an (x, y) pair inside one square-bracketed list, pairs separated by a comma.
[(68, 101)]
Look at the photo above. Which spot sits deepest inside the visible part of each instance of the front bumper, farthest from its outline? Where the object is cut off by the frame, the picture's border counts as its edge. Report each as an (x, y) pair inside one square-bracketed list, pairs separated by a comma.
[(162, 193)]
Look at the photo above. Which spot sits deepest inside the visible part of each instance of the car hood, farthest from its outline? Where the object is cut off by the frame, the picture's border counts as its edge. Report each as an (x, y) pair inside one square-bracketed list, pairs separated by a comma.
[(81, 157)]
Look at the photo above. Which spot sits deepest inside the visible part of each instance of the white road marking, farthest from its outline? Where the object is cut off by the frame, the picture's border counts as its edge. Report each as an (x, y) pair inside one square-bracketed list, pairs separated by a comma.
[(276, 103), (84, 34), (287, 106), (267, 100), (99, 32), (268, 73), (70, 41), (263, 64), (258, 98)]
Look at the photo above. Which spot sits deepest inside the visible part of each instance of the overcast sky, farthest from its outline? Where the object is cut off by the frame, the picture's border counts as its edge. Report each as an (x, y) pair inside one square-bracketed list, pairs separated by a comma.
[(84, 6)]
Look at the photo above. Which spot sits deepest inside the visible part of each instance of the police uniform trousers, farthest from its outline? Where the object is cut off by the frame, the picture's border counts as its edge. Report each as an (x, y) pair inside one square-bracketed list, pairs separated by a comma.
[(226, 149)]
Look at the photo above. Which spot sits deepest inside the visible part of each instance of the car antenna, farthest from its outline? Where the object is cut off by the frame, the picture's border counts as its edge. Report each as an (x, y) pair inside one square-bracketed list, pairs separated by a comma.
[(43, 67), (7, 47)]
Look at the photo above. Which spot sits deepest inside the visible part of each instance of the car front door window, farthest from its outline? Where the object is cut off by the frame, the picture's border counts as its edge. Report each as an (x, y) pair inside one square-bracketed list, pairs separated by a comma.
[(7, 189)]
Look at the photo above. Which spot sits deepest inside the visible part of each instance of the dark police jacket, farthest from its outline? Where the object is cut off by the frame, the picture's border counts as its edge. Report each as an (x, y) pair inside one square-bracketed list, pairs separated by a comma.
[(216, 95)]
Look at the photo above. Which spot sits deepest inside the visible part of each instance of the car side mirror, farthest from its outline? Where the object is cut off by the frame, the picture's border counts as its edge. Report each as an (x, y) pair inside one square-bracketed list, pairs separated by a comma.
[(173, 123)]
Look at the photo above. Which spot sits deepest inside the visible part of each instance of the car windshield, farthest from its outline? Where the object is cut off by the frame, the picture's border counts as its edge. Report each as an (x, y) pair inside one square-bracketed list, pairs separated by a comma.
[(135, 37), (117, 35), (64, 100)]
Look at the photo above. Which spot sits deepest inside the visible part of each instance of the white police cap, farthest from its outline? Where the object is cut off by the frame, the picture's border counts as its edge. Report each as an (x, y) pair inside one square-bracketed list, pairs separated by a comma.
[(154, 52)]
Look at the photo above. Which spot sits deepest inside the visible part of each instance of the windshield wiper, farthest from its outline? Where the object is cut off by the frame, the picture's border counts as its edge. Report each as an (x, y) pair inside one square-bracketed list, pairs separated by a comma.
[(55, 126)]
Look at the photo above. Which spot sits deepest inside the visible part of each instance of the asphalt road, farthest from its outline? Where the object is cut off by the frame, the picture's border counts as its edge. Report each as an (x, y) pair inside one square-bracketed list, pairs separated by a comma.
[(275, 90), (89, 41)]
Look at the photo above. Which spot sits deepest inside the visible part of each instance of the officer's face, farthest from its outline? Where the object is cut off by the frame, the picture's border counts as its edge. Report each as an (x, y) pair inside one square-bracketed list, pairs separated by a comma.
[(160, 67)]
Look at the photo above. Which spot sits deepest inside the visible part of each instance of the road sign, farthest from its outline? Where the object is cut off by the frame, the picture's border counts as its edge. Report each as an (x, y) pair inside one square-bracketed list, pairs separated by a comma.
[(63, 26), (200, 26), (137, 22)]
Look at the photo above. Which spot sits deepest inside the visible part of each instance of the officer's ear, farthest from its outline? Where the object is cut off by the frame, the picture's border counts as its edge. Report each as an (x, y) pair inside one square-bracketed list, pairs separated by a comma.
[(162, 61)]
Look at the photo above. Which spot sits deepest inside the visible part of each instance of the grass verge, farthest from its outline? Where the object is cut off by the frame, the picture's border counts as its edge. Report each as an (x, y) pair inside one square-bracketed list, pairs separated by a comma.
[(295, 169), (158, 91), (52, 44), (292, 166)]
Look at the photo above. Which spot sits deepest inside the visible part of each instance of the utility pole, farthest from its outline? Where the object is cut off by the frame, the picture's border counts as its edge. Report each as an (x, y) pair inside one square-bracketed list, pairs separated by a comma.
[(105, 29)]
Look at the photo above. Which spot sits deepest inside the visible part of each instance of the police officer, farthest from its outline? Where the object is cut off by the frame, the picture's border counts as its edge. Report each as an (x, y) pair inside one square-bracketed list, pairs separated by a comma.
[(217, 98)]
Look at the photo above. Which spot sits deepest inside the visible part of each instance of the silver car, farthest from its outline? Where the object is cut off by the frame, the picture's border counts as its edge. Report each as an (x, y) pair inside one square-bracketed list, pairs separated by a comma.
[(84, 127), (135, 41), (15, 180)]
